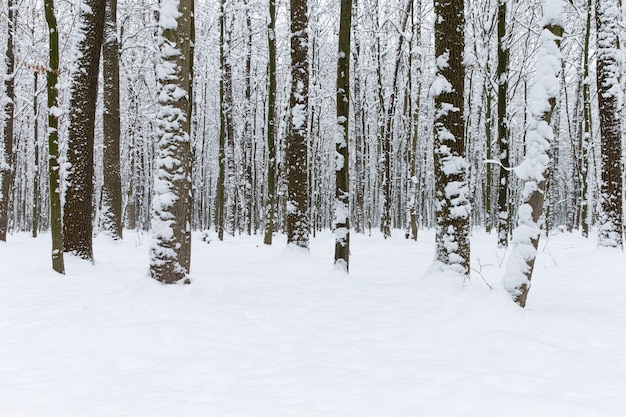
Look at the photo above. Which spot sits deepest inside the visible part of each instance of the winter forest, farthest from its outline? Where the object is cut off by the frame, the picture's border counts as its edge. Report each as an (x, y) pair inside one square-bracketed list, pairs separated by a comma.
[(357, 192)]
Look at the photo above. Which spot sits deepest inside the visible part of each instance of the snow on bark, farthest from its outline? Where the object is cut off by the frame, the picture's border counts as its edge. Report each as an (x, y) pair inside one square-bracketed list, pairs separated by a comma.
[(297, 140), (453, 205), (610, 221), (172, 180), (533, 169)]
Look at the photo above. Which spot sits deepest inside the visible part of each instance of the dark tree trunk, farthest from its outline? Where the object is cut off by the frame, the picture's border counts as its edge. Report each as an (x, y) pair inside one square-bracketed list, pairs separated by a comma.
[(451, 183), (270, 205), (6, 156), (112, 186), (503, 130), (342, 179), (610, 224), (56, 226), (77, 214), (35, 226)]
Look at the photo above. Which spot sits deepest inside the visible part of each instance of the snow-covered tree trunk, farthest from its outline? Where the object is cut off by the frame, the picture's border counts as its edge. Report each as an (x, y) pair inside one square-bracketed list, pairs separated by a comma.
[(230, 182), (453, 205), (610, 222), (220, 200), (8, 104), (534, 167), (342, 179), (297, 138), (169, 254), (112, 185), (56, 226), (78, 209)]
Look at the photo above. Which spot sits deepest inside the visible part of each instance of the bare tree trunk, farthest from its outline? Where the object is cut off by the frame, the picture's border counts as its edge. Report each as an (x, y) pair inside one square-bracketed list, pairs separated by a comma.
[(6, 153), (417, 35), (56, 225), (112, 186), (342, 179), (249, 137), (503, 129), (585, 138), (270, 205), (35, 225), (78, 209)]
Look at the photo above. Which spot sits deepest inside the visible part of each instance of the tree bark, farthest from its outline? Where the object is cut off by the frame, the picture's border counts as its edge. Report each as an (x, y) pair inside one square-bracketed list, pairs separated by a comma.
[(451, 183), (270, 205), (533, 170), (503, 129), (297, 138), (171, 228), (610, 223), (56, 225), (342, 179), (77, 213), (585, 138), (6, 153), (112, 185)]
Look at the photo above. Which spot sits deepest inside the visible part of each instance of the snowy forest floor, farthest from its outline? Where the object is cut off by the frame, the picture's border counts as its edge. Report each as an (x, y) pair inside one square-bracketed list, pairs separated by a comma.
[(263, 331)]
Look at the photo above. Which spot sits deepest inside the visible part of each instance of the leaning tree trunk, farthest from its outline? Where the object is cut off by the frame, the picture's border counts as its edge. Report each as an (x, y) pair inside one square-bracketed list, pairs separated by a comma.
[(453, 205), (6, 153), (77, 213), (533, 170), (169, 254), (297, 139), (342, 179), (610, 223), (112, 185), (56, 226)]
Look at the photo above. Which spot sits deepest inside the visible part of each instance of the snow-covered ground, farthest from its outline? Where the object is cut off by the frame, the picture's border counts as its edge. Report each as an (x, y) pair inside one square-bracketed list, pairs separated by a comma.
[(266, 332)]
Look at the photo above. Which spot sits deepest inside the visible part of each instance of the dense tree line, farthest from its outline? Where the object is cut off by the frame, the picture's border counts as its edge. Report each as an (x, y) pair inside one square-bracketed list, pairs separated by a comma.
[(266, 116)]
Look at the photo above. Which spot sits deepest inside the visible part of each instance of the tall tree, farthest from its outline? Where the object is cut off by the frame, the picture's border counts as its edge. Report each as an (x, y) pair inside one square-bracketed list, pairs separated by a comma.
[(6, 153), (451, 178), (297, 138), (414, 79), (342, 179), (503, 130), (533, 169), (585, 138), (36, 155), (610, 223), (385, 221), (56, 226), (112, 185), (77, 213), (270, 205), (171, 228), (224, 203)]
